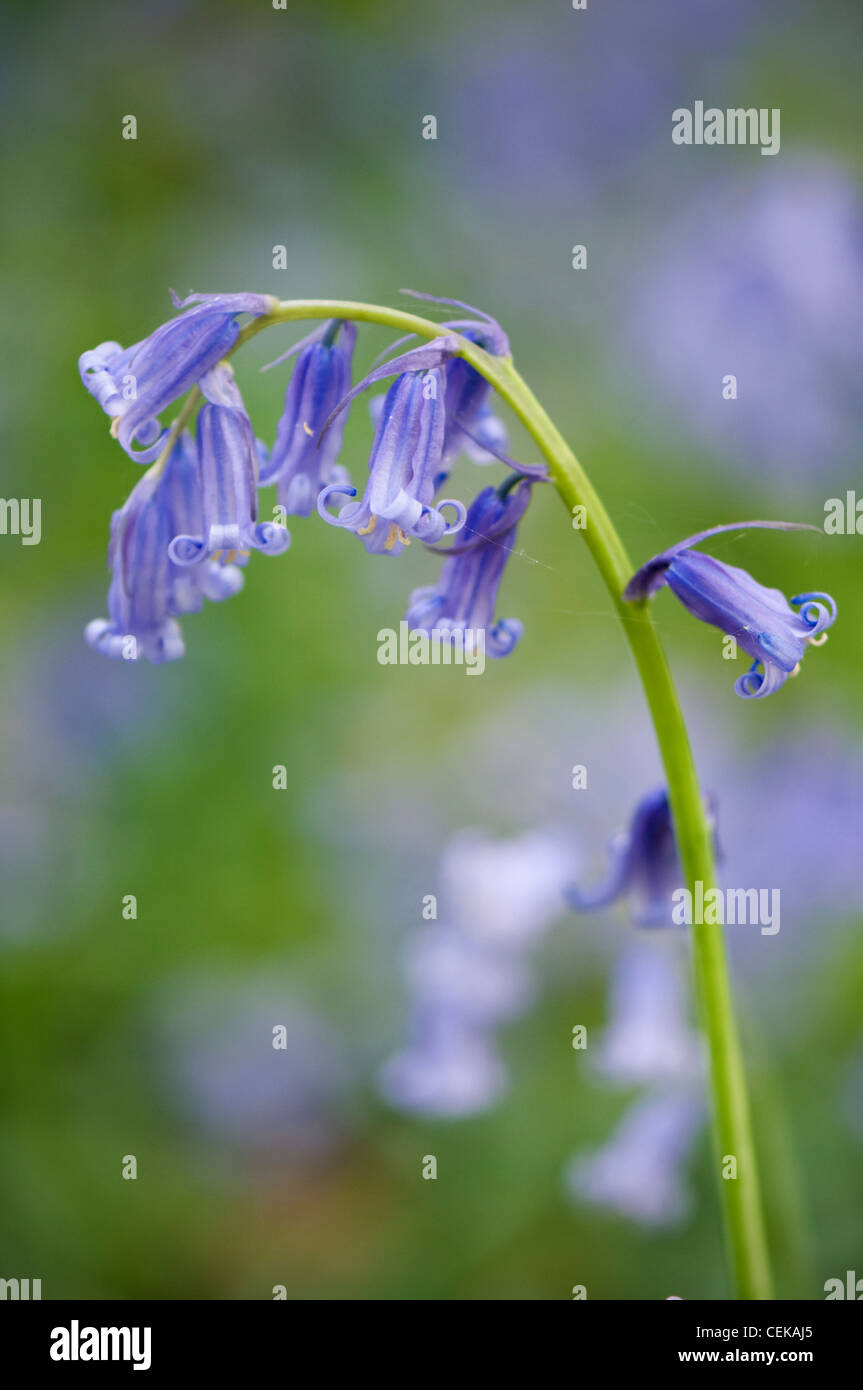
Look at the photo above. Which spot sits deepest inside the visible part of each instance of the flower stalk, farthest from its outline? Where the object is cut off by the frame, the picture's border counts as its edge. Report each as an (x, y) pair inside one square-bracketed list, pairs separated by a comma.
[(740, 1197)]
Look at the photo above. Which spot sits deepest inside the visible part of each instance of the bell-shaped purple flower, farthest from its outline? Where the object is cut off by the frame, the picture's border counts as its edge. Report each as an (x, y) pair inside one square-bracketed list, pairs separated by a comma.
[(404, 466), (471, 425), (181, 492), (449, 1069), (134, 385), (640, 1172), (228, 462), (301, 463), (762, 620), (645, 865), (148, 591), (648, 1038), (463, 600)]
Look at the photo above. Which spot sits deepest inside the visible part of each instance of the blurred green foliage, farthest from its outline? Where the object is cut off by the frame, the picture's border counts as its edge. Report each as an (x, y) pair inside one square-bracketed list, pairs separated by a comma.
[(259, 127)]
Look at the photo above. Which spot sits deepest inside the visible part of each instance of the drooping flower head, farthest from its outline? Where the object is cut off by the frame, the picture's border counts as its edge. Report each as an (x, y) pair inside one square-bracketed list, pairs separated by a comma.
[(640, 1171), (134, 385), (471, 425), (466, 592), (405, 462), (648, 1038), (645, 865), (449, 1069), (762, 620), (228, 461), (148, 591), (301, 463)]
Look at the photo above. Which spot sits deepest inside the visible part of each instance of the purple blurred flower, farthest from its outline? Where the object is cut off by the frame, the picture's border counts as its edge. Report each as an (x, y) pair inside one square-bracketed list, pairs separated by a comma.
[(761, 620), (640, 1172), (233, 1082), (645, 865), (468, 977), (449, 1070), (760, 280), (507, 892), (448, 970), (301, 463), (465, 595), (595, 92), (647, 1039), (135, 384)]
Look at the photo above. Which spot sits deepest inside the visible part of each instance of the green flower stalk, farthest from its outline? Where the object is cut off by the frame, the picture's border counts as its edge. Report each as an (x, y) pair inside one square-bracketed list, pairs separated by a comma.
[(399, 504)]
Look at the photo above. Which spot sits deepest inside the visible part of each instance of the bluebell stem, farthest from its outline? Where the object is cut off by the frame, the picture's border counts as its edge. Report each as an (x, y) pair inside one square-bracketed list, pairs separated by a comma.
[(228, 461), (148, 591), (404, 465), (645, 865), (762, 621), (300, 463), (465, 595), (134, 385)]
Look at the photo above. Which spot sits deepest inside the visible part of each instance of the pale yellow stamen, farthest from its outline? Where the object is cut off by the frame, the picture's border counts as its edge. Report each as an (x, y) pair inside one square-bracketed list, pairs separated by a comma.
[(307, 429), (115, 426), (819, 640), (796, 671), (367, 530), (394, 535)]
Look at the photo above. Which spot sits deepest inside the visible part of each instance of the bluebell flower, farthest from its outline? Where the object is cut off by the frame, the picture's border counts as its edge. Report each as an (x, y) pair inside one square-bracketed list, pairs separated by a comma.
[(404, 466), (640, 1172), (645, 865), (301, 463), (180, 491), (471, 425), (134, 385), (465, 595), (228, 462), (148, 591), (761, 620), (471, 974), (450, 1069), (648, 1038), (451, 970), (505, 892)]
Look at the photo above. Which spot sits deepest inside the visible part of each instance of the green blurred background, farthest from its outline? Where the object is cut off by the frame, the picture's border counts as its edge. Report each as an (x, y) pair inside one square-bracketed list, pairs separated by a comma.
[(302, 127)]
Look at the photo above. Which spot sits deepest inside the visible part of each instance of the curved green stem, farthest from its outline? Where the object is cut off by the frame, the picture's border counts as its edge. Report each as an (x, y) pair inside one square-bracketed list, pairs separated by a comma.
[(740, 1194)]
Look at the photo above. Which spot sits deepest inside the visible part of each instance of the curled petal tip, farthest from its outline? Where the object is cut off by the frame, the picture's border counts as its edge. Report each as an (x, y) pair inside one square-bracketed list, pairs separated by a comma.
[(186, 550), (817, 610), (270, 538)]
